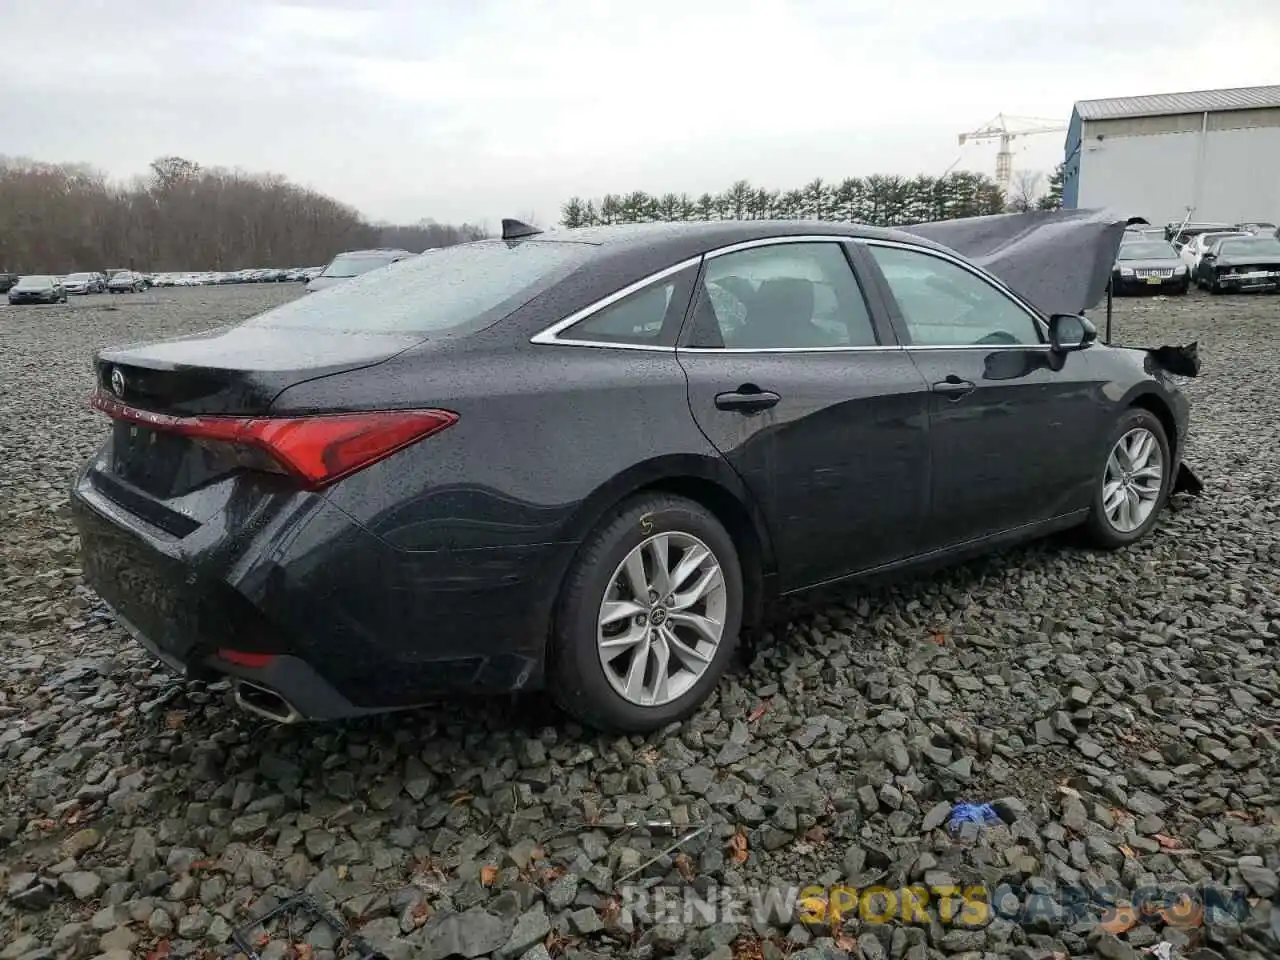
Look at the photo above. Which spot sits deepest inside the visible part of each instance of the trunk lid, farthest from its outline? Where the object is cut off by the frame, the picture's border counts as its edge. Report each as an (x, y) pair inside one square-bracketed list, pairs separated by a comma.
[(236, 371), (232, 372)]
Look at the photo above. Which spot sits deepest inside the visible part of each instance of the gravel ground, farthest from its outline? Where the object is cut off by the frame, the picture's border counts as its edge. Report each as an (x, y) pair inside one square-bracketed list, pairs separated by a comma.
[(1121, 712)]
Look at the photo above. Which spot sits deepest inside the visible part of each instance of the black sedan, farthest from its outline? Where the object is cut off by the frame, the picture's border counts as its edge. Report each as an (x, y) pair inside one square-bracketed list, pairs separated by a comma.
[(1241, 264), (38, 289), (1149, 266), (587, 460)]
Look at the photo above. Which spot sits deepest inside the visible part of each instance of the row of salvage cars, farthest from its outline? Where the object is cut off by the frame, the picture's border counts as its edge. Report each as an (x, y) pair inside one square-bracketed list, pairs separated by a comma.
[(1221, 259), (587, 460)]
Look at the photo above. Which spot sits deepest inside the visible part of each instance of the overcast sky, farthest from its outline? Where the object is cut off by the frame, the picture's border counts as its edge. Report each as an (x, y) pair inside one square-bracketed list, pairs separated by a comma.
[(478, 109)]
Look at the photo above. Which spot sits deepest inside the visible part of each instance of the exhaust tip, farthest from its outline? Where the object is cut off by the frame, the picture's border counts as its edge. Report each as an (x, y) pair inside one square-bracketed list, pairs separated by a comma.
[(265, 702)]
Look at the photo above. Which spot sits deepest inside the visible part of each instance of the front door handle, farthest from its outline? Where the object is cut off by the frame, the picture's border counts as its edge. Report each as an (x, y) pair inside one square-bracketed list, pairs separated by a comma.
[(954, 387), (747, 399)]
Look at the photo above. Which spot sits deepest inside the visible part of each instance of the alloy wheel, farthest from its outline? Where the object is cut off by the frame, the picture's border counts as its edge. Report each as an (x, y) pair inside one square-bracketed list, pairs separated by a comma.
[(1133, 480), (662, 619)]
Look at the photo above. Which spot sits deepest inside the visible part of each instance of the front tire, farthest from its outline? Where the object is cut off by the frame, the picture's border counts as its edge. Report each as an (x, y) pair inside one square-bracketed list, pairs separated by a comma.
[(1134, 481), (648, 616)]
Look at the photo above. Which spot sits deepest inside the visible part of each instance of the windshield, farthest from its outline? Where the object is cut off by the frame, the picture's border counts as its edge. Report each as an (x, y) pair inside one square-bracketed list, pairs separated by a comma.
[(1148, 251), (1249, 248), (35, 283), (344, 266), (455, 286), (80, 276)]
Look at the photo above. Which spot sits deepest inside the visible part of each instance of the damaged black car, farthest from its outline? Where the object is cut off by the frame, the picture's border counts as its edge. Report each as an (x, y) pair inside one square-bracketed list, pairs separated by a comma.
[(1240, 265), (588, 460), (1149, 266)]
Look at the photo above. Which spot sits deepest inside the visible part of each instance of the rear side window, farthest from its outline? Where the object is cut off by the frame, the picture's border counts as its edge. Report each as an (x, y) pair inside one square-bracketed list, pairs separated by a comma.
[(442, 290)]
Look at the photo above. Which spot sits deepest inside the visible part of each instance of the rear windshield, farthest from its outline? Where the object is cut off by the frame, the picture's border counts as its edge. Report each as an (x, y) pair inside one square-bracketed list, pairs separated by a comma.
[(439, 290), (345, 265)]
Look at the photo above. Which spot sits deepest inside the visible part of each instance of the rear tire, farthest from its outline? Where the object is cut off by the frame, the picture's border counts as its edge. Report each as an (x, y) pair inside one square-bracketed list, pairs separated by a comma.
[(604, 625), (1135, 487)]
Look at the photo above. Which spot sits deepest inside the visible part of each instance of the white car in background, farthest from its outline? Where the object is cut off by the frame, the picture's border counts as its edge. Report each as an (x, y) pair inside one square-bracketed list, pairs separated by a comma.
[(1194, 249)]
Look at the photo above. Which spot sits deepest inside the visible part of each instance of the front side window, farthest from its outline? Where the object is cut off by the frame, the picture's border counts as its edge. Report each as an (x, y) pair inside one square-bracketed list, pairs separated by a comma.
[(783, 296), (945, 305)]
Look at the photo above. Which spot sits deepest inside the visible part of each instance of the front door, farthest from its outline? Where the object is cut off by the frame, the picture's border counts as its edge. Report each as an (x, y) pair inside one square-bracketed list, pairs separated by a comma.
[(1014, 441), (819, 412)]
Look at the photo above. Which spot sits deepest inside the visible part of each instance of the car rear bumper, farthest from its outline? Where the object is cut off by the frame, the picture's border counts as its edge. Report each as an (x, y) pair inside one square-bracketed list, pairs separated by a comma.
[(314, 613)]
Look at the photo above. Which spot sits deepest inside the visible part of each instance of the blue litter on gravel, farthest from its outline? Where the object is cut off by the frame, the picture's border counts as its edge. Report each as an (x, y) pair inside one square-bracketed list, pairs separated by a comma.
[(981, 813)]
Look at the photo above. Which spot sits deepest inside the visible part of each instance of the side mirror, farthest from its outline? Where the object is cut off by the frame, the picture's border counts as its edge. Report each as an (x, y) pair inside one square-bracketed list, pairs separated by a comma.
[(1069, 332)]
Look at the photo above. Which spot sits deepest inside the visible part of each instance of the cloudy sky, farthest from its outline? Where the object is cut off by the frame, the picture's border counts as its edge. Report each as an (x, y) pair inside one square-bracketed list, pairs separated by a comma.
[(478, 109)]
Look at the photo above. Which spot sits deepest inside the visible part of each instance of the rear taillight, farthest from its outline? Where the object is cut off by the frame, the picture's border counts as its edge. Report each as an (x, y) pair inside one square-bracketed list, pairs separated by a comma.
[(318, 450)]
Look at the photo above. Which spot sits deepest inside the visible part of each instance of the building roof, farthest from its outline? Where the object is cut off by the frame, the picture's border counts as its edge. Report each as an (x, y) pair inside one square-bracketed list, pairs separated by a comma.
[(1165, 104)]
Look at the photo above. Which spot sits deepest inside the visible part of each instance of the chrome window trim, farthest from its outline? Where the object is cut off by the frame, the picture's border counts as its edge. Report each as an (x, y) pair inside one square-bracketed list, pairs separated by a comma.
[(1041, 327), (877, 348), (549, 335), (776, 241)]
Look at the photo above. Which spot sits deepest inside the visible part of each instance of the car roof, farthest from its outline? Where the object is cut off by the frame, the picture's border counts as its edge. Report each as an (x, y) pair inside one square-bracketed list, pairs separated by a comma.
[(375, 250), (682, 240)]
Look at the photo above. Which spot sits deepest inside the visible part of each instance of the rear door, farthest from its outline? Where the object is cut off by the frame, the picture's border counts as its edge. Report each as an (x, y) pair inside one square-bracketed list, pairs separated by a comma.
[(798, 382), (1014, 429)]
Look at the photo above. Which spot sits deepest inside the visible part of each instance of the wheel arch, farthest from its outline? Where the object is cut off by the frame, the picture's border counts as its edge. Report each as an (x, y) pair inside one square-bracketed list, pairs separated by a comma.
[(707, 481), (1152, 402)]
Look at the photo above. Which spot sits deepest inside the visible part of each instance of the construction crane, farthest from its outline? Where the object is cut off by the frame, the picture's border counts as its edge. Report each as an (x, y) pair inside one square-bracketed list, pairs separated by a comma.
[(1005, 129)]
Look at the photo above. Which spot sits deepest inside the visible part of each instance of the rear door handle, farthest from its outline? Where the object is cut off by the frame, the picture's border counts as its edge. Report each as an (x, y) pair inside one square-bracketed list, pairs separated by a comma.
[(747, 399), (953, 387)]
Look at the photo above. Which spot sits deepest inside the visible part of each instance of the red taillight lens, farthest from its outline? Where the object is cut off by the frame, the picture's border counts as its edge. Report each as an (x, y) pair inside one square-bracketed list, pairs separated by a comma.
[(319, 450), (243, 658)]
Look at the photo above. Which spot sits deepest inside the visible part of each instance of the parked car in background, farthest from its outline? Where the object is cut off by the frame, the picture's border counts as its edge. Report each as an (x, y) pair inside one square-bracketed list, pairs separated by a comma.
[(7, 280), (1241, 264), (1191, 251), (1149, 265), (83, 283), (1140, 231), (353, 263), (586, 459), (38, 289), (1180, 233), (126, 281), (1258, 227)]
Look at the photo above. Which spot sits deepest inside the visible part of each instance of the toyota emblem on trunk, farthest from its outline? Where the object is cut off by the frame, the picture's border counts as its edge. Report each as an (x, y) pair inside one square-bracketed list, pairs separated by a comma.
[(117, 382)]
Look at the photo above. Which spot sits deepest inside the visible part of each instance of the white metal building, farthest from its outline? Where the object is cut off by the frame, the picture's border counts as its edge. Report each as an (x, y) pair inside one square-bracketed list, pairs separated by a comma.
[(1213, 154)]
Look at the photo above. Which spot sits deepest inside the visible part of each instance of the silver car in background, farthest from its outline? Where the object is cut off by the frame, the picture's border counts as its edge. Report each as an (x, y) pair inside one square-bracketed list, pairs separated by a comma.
[(352, 264)]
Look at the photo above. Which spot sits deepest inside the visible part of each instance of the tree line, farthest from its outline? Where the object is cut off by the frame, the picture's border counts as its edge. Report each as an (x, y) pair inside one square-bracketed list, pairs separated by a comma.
[(879, 200), (58, 218)]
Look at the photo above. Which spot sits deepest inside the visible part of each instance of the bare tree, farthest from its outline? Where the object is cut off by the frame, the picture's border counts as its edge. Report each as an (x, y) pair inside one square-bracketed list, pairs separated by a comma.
[(1025, 191), (56, 218)]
